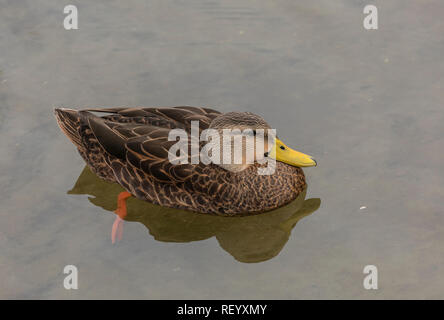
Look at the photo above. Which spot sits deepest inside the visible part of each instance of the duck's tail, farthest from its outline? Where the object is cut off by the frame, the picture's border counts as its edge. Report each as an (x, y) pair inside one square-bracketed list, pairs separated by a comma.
[(69, 121)]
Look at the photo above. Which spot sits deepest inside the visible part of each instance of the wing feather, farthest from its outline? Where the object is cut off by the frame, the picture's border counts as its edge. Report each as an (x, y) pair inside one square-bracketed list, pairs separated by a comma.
[(140, 136)]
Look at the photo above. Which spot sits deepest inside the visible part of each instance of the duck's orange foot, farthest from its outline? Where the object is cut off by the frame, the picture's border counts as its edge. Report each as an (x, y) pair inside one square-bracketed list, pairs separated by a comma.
[(117, 229)]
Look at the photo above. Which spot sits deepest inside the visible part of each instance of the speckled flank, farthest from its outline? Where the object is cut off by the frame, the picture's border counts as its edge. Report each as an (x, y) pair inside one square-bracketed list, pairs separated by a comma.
[(130, 147)]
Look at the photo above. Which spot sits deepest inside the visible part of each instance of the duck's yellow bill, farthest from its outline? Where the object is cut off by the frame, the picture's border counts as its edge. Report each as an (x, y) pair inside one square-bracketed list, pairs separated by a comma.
[(282, 153)]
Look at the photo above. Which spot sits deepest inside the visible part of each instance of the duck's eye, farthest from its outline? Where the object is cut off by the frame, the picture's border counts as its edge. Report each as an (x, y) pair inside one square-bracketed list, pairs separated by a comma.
[(282, 148), (266, 154)]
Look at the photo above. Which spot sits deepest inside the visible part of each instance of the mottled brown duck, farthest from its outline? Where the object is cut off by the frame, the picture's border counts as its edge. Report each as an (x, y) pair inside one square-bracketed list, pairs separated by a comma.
[(130, 146)]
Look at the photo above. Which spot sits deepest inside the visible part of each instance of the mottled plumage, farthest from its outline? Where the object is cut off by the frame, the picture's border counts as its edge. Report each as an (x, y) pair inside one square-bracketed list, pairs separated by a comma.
[(130, 146)]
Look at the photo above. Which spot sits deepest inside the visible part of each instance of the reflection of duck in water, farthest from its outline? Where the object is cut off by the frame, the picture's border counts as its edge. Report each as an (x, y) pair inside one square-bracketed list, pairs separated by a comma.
[(130, 146), (248, 238)]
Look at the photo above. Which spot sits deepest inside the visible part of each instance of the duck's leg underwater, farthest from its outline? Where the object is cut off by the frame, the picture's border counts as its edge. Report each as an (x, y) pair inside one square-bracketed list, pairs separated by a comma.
[(117, 229)]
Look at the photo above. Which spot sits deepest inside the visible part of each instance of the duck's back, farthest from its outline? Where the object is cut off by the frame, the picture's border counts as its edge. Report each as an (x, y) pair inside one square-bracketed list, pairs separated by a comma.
[(100, 140)]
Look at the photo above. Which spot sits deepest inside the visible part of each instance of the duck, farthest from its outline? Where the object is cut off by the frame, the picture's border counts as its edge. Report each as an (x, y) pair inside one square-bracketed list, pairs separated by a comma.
[(131, 147)]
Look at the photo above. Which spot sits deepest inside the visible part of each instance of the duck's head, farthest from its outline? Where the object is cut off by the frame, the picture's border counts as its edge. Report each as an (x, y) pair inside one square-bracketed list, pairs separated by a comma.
[(250, 125)]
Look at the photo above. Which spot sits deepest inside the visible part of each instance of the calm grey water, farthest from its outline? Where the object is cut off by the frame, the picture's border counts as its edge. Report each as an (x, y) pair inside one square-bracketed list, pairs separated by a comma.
[(368, 105)]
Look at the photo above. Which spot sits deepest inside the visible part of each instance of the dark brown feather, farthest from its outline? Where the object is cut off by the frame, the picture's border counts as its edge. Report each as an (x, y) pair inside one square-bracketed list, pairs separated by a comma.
[(108, 138)]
